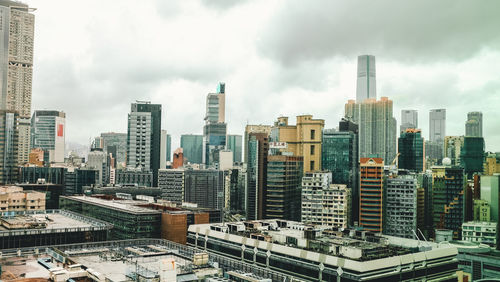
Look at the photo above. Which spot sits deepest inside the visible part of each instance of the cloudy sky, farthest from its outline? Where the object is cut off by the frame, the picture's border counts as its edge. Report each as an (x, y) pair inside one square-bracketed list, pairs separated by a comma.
[(94, 58)]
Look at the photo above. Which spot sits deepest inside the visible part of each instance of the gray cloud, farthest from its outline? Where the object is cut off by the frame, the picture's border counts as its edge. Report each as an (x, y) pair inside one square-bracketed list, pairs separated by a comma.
[(402, 30)]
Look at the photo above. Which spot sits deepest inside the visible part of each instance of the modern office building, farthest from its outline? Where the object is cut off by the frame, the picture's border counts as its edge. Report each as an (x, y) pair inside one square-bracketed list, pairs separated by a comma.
[(482, 210), (426, 221), (192, 146), (119, 142), (283, 193), (437, 125), (134, 177), (252, 128), (480, 231), (130, 221), (448, 189), (48, 133), (411, 150), (490, 192), (237, 198), (492, 163), (169, 147), (256, 179), (75, 179), (98, 160), (472, 155), (215, 129), (452, 148), (401, 206), (9, 139), (366, 87), (371, 194), (474, 124), (17, 33), (409, 119), (303, 139), (23, 229), (235, 144), (144, 137), (321, 253), (377, 127), (324, 203), (204, 187)]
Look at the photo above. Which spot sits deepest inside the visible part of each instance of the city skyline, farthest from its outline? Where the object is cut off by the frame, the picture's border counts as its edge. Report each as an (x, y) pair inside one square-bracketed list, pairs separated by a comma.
[(261, 69)]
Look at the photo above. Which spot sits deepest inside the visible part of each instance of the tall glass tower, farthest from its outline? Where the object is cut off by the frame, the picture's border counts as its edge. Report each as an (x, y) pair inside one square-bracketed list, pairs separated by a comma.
[(366, 86)]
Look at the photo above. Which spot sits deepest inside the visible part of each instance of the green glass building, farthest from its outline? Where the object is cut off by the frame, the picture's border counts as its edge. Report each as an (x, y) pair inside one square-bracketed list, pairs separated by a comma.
[(192, 146), (472, 155), (234, 143), (411, 150)]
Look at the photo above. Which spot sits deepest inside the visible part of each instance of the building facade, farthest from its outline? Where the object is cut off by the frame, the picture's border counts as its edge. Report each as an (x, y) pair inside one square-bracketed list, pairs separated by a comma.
[(480, 231), (283, 196), (192, 146), (204, 187), (452, 148), (171, 183), (256, 179), (9, 139), (215, 129), (472, 155), (119, 142), (409, 119), (48, 133), (235, 144), (144, 137), (371, 194), (411, 150), (366, 87), (17, 27), (401, 206), (474, 124)]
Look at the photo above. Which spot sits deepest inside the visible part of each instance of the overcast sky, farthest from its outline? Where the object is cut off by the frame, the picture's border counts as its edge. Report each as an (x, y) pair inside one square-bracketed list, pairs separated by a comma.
[(94, 58)]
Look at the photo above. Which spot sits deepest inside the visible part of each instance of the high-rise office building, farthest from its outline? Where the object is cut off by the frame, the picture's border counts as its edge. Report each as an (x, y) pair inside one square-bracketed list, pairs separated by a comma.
[(409, 119), (437, 125), (371, 194), (97, 160), (490, 192), (144, 138), (340, 157), (17, 25), (448, 197), (257, 152), (324, 203), (169, 148), (250, 128), (215, 129), (366, 87), (452, 148), (235, 144), (411, 150), (472, 155), (401, 206), (119, 142), (377, 127), (48, 133), (164, 149), (204, 187), (192, 146), (9, 137), (303, 139), (283, 193), (474, 124)]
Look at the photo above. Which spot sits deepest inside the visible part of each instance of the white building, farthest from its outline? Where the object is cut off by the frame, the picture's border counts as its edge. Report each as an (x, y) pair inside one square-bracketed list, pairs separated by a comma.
[(325, 203), (482, 232), (48, 133)]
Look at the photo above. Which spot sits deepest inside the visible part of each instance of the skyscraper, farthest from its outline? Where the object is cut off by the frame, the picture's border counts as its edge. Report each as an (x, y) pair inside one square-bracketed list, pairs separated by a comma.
[(411, 150), (192, 146), (474, 124), (47, 133), (17, 25), (144, 138), (377, 127), (409, 119), (472, 155), (366, 86), (452, 147), (215, 129), (257, 151), (437, 125), (401, 206), (165, 149)]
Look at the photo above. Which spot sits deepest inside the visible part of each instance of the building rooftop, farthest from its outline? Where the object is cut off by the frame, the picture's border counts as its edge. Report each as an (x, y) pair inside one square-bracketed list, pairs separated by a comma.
[(47, 221), (128, 260), (128, 206)]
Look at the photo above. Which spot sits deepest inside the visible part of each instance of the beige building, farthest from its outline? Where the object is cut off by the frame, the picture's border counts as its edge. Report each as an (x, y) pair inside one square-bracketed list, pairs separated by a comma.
[(303, 139), (13, 198), (17, 33), (452, 148), (491, 165)]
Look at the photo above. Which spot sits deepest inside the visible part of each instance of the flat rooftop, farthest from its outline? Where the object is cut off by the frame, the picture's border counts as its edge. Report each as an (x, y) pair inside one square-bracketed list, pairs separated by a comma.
[(128, 206), (48, 221)]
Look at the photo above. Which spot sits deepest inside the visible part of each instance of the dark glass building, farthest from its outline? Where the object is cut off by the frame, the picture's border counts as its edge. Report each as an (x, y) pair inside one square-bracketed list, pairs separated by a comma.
[(284, 186), (204, 187), (192, 146), (411, 150), (472, 155), (257, 150)]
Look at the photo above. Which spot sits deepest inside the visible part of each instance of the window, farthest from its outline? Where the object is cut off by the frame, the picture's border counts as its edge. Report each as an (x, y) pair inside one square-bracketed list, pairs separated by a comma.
[(313, 134), (312, 165), (312, 149)]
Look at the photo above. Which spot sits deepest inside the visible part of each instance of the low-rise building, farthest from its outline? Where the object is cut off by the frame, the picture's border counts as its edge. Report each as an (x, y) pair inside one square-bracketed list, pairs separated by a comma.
[(322, 253), (14, 198), (480, 231)]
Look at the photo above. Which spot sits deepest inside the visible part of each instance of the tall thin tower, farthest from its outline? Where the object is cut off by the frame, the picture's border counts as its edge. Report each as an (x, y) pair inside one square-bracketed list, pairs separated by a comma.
[(366, 86), (17, 25)]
